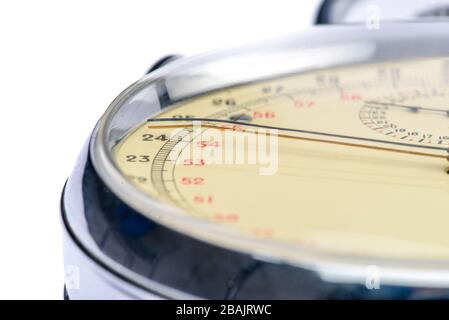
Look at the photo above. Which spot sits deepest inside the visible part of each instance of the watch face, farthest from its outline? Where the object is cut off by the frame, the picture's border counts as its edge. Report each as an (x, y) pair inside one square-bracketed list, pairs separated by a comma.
[(345, 161), (326, 153)]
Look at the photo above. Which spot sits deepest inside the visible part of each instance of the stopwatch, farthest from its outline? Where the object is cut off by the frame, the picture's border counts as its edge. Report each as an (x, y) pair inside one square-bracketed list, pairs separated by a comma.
[(313, 166)]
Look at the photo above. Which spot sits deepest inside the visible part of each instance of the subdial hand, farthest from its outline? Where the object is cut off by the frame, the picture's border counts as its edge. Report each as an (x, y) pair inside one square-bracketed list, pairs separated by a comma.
[(414, 109)]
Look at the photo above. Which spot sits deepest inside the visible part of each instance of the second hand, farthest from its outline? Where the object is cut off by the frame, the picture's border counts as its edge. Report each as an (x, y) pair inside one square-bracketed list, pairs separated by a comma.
[(302, 138)]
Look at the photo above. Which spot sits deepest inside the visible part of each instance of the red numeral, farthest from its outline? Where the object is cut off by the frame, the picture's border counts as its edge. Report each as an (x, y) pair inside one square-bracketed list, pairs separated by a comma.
[(204, 144), (202, 199), (229, 217), (350, 97), (192, 162), (304, 104), (266, 115), (192, 181), (262, 232)]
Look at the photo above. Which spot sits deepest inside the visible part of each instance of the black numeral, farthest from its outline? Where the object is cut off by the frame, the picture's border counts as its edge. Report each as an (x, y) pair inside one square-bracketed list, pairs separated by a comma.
[(221, 102), (150, 137), (139, 158)]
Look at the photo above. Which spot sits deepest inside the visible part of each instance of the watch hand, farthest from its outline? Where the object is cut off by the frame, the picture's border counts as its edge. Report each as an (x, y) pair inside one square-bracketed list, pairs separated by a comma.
[(306, 138), (415, 109)]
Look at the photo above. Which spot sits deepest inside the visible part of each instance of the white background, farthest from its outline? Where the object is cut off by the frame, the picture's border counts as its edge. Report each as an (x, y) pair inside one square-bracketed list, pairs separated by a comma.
[(61, 64)]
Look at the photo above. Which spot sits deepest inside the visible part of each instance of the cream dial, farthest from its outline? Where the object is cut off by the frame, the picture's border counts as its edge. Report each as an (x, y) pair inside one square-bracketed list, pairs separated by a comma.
[(357, 167)]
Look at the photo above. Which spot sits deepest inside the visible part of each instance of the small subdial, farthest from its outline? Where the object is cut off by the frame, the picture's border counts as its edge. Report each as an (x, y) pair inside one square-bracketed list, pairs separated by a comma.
[(418, 117)]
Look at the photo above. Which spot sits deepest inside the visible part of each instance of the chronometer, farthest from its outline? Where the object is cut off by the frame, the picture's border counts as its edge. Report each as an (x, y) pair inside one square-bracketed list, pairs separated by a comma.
[(313, 166)]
